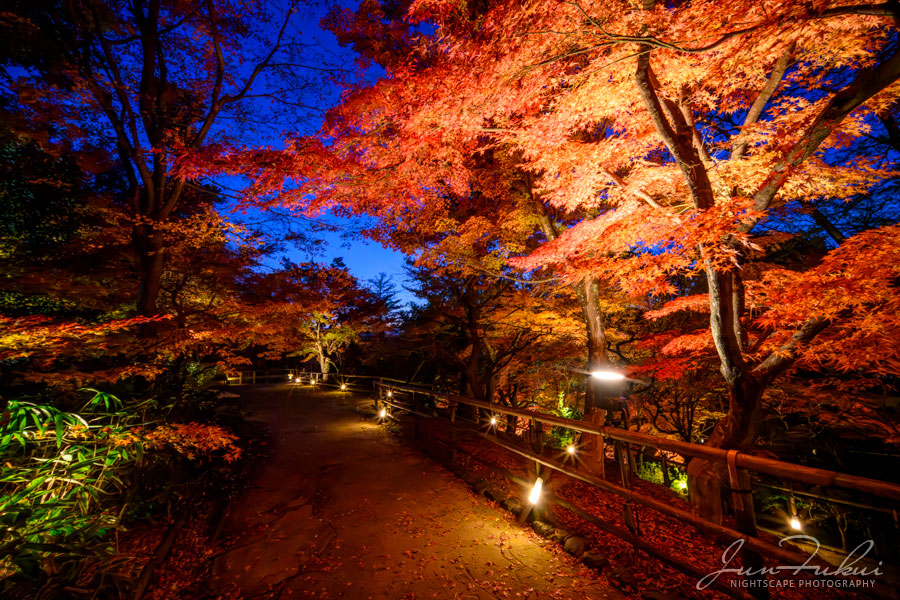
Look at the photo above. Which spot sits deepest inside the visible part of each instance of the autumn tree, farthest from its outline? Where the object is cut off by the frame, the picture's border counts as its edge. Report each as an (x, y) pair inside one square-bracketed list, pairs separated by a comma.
[(158, 78), (493, 330), (312, 311), (67, 290), (689, 147)]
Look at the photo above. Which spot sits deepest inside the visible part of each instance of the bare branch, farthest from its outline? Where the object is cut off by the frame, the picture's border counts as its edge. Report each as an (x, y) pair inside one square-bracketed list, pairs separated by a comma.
[(778, 71)]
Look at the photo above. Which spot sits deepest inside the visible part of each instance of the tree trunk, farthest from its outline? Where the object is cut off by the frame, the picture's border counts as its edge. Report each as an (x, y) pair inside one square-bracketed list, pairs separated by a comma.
[(324, 366), (473, 364), (148, 244), (588, 296), (597, 358), (738, 431)]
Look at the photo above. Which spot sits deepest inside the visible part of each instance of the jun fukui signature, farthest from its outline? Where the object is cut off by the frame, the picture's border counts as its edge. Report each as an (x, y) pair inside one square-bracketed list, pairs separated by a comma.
[(847, 568)]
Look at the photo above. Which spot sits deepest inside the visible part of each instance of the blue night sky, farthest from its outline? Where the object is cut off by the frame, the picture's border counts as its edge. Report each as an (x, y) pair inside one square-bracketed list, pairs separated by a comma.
[(365, 259)]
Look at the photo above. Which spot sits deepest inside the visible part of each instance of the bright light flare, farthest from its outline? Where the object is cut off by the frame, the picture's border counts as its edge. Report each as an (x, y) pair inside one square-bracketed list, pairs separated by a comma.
[(796, 524), (571, 449), (382, 413), (607, 375), (493, 420), (535, 494), (390, 393), (290, 377), (343, 386)]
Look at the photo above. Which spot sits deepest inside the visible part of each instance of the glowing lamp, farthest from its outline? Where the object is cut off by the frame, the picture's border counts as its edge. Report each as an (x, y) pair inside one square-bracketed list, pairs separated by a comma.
[(493, 420), (390, 393), (570, 449), (535, 494), (290, 377), (607, 375), (382, 413), (343, 386), (795, 523)]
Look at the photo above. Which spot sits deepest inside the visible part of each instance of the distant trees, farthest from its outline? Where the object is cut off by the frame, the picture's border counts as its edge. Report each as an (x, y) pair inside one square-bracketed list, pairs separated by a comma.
[(386, 295)]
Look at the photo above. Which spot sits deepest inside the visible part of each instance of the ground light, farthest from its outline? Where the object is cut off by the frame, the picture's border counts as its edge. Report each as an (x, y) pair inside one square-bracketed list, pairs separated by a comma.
[(571, 449), (382, 413), (390, 393), (535, 494), (493, 420), (792, 505), (343, 386)]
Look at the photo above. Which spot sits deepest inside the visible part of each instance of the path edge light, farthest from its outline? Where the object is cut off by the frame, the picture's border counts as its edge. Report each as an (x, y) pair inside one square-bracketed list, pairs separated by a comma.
[(535, 494)]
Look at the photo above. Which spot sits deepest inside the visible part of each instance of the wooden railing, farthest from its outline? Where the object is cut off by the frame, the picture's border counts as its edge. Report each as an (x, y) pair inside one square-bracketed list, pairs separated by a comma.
[(333, 380), (738, 465), (257, 376)]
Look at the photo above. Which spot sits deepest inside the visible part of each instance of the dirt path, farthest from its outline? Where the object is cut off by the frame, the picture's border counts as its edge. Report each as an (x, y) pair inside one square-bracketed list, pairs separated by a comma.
[(340, 510)]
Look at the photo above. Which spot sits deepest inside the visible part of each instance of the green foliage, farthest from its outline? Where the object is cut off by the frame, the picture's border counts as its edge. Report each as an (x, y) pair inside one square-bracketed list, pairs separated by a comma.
[(652, 471), (68, 479), (61, 473), (680, 483), (561, 437)]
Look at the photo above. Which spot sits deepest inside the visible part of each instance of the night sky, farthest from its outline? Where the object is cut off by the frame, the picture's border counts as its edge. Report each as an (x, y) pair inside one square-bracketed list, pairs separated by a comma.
[(365, 259)]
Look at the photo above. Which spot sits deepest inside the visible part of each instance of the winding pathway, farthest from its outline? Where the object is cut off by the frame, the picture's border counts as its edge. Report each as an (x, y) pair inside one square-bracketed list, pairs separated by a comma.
[(341, 510)]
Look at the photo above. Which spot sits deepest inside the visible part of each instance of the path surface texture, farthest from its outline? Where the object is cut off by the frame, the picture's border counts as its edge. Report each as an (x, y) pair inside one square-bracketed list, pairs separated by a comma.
[(341, 510)]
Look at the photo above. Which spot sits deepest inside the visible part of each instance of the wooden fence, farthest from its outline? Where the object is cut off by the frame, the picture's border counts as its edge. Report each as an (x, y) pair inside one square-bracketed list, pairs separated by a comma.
[(359, 383), (738, 465)]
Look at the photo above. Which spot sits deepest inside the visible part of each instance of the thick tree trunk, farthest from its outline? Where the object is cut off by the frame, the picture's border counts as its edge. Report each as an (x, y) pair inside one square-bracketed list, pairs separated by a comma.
[(588, 296), (324, 365), (736, 431), (148, 244)]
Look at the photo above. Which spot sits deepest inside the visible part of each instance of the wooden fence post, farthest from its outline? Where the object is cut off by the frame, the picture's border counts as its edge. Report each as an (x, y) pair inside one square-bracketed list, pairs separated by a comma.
[(745, 519), (451, 433), (415, 406), (667, 481), (626, 474), (601, 444)]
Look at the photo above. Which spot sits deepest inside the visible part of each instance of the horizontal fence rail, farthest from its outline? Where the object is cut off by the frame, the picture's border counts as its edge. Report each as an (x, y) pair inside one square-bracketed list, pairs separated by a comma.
[(335, 379)]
